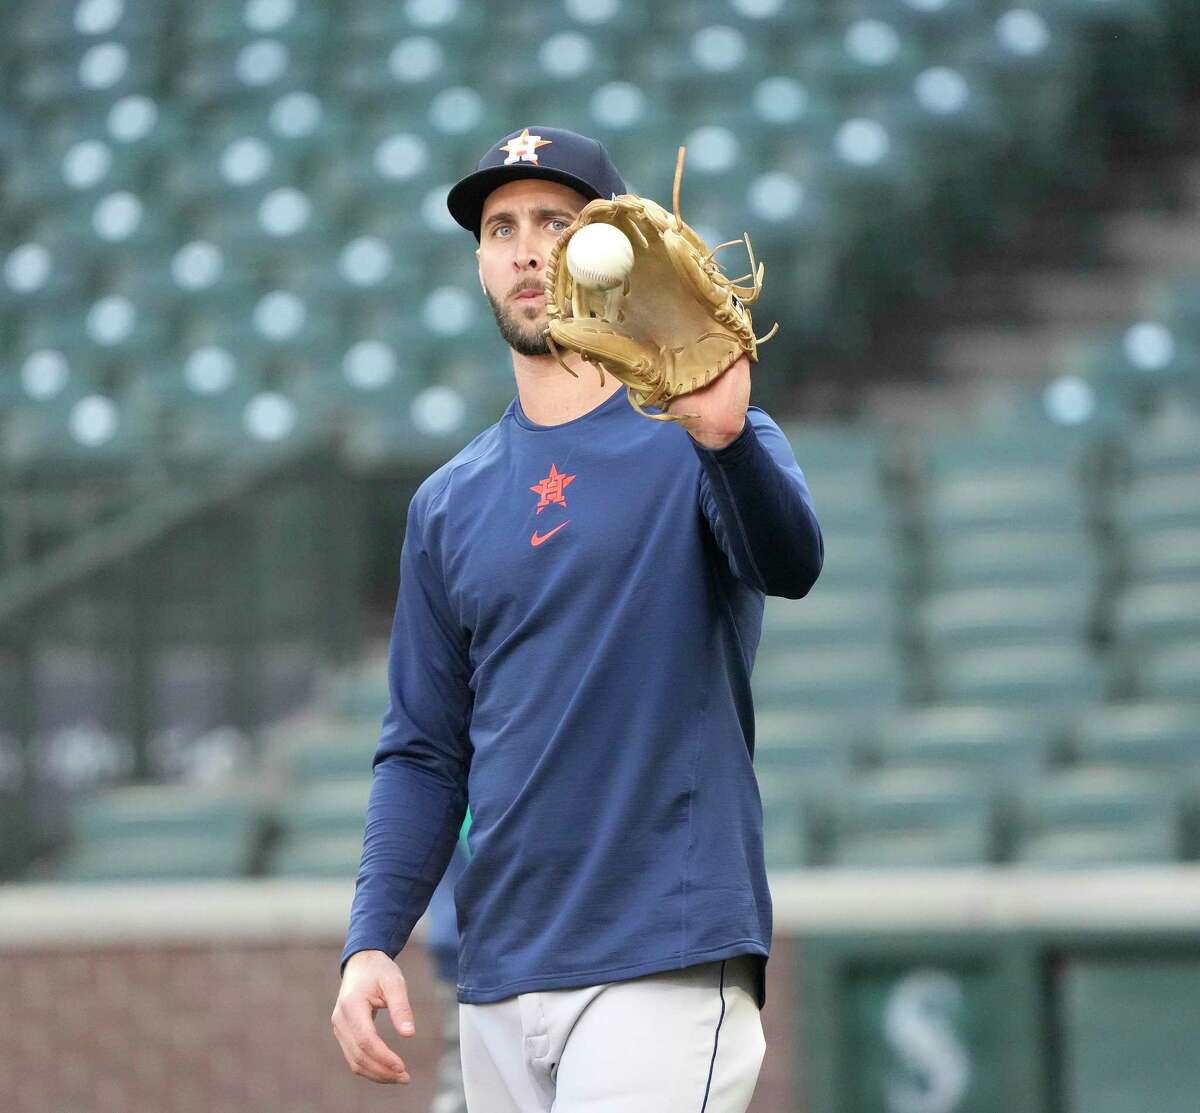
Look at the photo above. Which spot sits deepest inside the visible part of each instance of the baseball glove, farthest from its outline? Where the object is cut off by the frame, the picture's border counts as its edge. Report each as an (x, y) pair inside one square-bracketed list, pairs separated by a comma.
[(675, 323)]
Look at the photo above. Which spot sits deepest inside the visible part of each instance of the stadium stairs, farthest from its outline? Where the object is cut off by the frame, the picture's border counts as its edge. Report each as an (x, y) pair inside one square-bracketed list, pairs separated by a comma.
[(1015, 308)]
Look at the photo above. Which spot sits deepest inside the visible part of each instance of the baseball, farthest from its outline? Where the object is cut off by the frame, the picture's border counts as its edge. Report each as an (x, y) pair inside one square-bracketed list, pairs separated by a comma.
[(599, 256)]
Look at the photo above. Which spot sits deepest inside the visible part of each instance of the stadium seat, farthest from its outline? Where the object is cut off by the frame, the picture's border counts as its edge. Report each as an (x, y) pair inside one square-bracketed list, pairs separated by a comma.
[(86, 438), (1171, 673), (1140, 735), (341, 749), (458, 25), (808, 753), (995, 616), (1016, 558), (830, 678), (1166, 556), (166, 858), (1164, 448), (1157, 502), (81, 68), (1142, 368), (1001, 745), (788, 838), (1156, 615), (235, 20), (1021, 51), (859, 59), (327, 809), (911, 818), (152, 810), (1034, 499), (1097, 816), (58, 23), (1044, 676), (847, 619), (162, 832), (320, 855)]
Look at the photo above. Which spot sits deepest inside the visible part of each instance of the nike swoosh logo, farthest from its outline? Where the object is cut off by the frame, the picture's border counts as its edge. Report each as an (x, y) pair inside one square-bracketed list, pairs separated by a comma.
[(537, 539)]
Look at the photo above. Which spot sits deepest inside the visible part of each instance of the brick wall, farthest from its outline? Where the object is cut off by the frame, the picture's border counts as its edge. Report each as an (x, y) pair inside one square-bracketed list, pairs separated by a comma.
[(235, 1027)]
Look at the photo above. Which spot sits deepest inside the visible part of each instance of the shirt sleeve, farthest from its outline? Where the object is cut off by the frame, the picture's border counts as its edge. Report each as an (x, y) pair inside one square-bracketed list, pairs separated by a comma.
[(418, 792), (760, 510)]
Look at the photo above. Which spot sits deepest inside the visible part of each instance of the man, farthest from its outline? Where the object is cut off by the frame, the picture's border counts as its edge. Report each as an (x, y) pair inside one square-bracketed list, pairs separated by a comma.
[(581, 598)]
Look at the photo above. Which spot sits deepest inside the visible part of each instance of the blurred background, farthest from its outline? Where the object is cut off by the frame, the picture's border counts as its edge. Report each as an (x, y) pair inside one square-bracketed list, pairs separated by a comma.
[(238, 327)]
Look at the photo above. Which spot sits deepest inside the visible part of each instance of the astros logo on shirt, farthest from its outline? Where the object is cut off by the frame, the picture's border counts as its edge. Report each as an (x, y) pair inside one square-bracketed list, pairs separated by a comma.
[(550, 491)]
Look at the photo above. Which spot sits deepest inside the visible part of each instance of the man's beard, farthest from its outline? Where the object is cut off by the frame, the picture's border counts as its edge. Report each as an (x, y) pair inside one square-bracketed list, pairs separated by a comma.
[(522, 336)]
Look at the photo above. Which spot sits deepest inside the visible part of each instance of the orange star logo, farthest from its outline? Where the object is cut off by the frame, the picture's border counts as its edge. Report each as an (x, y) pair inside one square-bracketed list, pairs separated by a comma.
[(524, 147), (551, 488)]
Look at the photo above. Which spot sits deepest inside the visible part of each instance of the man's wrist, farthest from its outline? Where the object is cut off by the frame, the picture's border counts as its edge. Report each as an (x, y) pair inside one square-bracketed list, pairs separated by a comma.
[(715, 444)]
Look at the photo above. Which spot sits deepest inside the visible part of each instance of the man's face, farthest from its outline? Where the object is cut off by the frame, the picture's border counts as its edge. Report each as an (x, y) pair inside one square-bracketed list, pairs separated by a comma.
[(521, 222)]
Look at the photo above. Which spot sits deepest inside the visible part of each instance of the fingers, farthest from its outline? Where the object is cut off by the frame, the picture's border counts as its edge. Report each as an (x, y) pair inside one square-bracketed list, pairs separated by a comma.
[(395, 994), (365, 1053)]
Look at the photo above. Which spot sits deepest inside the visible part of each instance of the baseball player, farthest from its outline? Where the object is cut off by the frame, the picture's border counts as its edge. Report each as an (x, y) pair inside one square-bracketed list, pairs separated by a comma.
[(580, 603)]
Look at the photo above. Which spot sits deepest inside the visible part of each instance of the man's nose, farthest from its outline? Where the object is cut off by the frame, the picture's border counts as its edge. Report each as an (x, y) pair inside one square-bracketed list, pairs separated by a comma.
[(528, 254), (526, 260)]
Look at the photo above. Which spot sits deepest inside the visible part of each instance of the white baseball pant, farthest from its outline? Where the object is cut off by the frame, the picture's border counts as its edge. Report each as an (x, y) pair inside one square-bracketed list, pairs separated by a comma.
[(680, 1041)]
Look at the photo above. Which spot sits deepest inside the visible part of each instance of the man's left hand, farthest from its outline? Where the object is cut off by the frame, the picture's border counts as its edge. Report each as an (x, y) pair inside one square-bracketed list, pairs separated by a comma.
[(720, 406)]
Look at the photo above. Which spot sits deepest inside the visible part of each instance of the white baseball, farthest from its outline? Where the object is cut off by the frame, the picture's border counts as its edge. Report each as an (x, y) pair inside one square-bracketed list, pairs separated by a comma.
[(599, 256)]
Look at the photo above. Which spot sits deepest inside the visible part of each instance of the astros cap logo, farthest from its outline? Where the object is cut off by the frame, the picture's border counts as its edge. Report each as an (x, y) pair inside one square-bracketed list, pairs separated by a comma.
[(524, 147)]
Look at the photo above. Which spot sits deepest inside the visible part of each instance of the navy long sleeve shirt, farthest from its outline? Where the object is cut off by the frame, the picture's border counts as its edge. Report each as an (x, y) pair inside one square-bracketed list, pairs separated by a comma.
[(578, 615)]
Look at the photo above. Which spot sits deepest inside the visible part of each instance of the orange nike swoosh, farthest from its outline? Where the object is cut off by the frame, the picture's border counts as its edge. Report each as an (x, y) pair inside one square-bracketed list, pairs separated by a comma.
[(537, 540)]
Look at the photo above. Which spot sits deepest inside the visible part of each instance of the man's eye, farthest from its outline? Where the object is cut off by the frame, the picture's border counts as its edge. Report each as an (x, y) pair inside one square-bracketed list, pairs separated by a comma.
[(557, 221)]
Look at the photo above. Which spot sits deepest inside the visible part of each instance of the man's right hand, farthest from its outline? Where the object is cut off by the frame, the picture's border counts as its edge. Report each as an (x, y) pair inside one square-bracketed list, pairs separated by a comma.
[(370, 982)]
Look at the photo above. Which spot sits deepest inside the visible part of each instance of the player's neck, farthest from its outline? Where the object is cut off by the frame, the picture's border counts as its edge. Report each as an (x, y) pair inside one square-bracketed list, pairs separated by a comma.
[(550, 396)]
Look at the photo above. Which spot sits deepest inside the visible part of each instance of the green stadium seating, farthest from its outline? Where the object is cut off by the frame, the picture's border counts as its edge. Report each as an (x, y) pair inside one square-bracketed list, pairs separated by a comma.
[(458, 25), (234, 20), (1167, 556), (860, 59), (229, 68), (1096, 816), (806, 752), (932, 24), (911, 818), (1001, 745), (1016, 558), (1163, 448), (161, 832), (149, 811), (1162, 736), (77, 69), (1167, 673), (994, 616), (341, 750), (1029, 499), (828, 678), (1141, 368), (87, 439), (1157, 502), (60, 22), (137, 859), (360, 693), (320, 855), (1021, 53), (1158, 614), (1023, 675), (788, 838), (829, 617), (330, 809)]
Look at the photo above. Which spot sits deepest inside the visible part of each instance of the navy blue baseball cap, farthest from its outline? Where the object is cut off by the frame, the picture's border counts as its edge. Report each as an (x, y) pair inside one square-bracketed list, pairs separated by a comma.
[(555, 154)]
